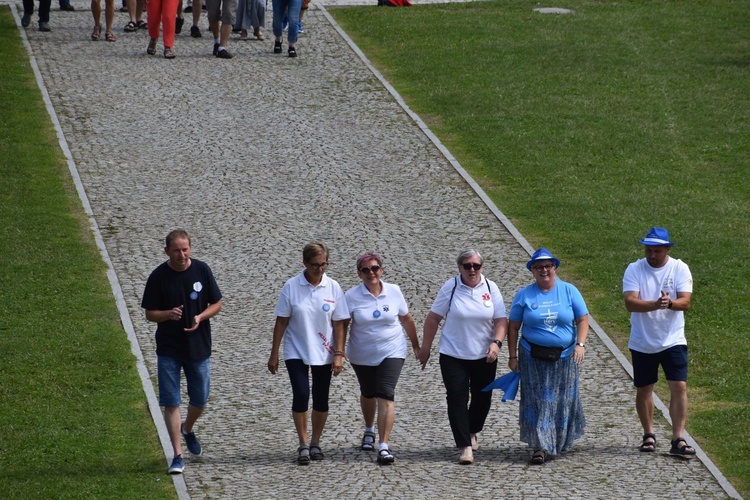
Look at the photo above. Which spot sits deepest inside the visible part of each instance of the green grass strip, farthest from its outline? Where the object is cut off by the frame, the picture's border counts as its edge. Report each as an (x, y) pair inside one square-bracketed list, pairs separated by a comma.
[(586, 130), (74, 421)]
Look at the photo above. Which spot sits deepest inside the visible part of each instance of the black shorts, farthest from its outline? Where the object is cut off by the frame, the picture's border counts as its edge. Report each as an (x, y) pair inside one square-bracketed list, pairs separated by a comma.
[(379, 381), (674, 361)]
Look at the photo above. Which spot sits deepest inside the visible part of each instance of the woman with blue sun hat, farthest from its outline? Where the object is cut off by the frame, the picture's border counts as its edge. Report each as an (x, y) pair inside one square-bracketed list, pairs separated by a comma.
[(552, 319)]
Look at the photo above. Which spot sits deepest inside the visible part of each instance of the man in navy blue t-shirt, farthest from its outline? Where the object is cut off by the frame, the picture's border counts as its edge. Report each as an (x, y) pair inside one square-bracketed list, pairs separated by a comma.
[(181, 296)]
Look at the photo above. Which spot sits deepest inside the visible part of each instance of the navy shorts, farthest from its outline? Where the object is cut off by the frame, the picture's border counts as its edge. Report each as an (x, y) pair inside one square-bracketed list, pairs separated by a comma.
[(299, 376), (674, 361)]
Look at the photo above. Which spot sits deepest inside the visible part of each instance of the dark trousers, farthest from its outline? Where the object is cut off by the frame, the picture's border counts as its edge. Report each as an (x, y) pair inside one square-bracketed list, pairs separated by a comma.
[(44, 6), (461, 378)]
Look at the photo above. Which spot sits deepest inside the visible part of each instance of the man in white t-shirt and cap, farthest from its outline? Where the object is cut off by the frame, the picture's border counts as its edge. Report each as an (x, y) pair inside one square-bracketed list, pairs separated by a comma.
[(657, 292)]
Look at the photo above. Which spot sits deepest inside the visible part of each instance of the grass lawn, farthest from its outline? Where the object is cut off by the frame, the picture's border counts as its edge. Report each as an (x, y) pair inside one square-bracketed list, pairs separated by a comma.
[(74, 420), (588, 129)]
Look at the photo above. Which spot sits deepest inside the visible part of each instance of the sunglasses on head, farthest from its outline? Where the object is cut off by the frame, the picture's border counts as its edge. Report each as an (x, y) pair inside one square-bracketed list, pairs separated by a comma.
[(475, 267), (366, 270)]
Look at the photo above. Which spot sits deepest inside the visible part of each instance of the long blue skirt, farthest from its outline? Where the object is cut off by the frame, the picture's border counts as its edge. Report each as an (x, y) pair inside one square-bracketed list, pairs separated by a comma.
[(550, 414)]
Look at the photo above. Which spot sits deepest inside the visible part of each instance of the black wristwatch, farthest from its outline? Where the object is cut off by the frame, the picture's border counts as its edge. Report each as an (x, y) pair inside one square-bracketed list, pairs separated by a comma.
[(498, 343)]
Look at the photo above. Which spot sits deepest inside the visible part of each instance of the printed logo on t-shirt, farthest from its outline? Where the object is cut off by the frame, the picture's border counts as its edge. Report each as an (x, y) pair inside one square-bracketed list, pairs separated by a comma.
[(326, 344), (550, 320), (668, 283), (386, 308)]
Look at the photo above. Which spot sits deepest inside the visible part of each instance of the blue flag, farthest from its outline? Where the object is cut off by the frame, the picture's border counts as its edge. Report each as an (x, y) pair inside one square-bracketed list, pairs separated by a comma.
[(507, 383)]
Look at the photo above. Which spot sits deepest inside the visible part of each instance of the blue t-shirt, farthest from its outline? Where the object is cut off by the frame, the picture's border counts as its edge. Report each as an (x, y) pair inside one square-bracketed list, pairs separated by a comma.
[(548, 318)]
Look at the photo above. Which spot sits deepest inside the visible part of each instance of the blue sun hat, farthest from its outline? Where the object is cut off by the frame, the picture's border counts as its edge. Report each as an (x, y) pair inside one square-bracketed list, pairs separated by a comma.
[(542, 254), (657, 237)]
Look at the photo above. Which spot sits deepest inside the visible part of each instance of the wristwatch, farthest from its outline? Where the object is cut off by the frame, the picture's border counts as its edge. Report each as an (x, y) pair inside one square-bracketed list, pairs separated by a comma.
[(498, 343), (581, 344)]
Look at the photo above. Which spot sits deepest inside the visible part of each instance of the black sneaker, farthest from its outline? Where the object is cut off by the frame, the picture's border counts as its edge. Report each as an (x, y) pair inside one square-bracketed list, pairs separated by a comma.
[(195, 32), (67, 7), (188, 9), (178, 25), (44, 26), (216, 49), (292, 52), (224, 54), (277, 47), (26, 20)]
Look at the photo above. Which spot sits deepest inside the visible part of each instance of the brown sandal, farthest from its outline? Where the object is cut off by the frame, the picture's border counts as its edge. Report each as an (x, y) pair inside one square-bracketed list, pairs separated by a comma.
[(257, 34), (168, 53), (96, 33), (109, 36)]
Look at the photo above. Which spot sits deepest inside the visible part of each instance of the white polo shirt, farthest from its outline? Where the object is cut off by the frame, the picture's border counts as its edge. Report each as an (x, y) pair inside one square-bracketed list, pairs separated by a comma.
[(655, 331), (469, 326), (310, 309), (376, 331)]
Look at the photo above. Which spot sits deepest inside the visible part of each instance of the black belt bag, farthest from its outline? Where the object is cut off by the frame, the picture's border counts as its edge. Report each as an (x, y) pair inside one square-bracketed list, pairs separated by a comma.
[(545, 353)]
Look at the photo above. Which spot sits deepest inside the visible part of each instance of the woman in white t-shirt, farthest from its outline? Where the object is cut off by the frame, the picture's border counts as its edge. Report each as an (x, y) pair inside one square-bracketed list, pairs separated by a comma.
[(472, 335), (311, 307), (377, 348)]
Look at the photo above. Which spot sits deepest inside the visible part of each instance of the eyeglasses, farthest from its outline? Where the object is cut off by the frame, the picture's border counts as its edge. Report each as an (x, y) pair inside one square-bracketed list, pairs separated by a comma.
[(546, 267), (318, 266), (366, 270), (475, 267)]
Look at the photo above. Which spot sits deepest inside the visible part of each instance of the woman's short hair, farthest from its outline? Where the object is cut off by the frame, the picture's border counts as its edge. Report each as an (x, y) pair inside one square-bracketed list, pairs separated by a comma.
[(368, 256), (312, 250), (466, 254)]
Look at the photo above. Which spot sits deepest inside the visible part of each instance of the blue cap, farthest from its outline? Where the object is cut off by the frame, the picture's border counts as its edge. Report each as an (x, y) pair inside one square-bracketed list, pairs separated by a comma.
[(657, 237), (542, 254)]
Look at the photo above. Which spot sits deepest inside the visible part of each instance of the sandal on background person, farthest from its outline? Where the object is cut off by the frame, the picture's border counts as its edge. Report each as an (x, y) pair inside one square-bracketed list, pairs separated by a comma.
[(96, 33)]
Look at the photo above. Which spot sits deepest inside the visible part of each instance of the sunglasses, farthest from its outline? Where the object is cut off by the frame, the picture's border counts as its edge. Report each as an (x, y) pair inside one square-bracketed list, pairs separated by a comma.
[(366, 270), (318, 266), (475, 267)]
